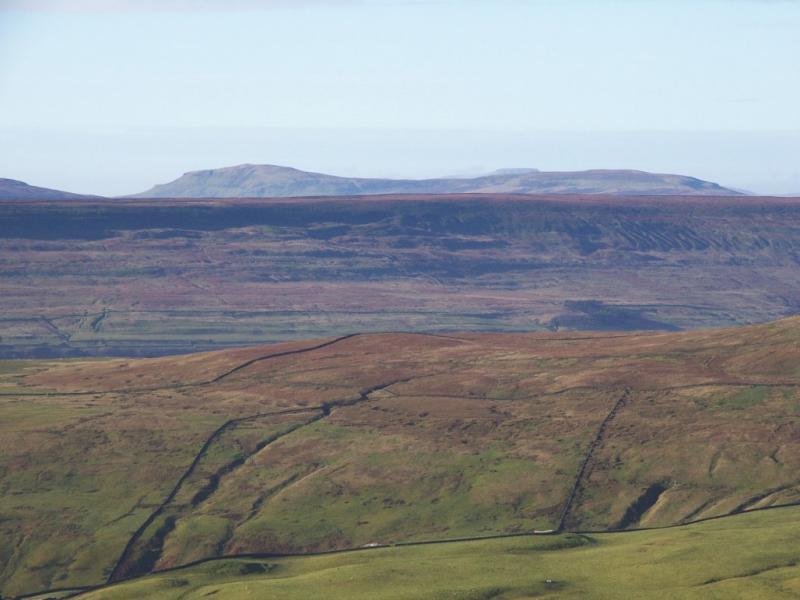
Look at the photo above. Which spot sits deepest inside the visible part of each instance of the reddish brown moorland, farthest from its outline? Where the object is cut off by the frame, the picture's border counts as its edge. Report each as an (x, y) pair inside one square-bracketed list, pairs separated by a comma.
[(154, 277)]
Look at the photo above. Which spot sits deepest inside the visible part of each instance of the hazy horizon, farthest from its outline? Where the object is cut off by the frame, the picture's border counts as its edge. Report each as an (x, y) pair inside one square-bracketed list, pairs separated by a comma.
[(113, 97), (160, 156)]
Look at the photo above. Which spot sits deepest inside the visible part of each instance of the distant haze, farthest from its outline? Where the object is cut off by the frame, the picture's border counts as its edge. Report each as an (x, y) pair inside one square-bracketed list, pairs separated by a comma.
[(113, 96), (91, 162)]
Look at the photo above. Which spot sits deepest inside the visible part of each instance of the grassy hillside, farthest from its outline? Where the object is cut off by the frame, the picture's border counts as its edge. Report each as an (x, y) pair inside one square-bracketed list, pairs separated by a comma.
[(165, 277), (114, 468), (753, 557)]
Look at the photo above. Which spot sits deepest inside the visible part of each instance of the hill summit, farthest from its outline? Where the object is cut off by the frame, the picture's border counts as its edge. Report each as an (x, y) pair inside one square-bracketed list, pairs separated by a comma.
[(264, 181), (11, 189)]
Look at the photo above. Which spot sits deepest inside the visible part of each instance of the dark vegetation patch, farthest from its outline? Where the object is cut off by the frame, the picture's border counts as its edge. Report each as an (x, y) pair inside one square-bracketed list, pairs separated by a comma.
[(327, 233), (753, 572), (330, 254), (536, 590), (640, 506), (561, 542), (149, 554), (165, 234), (466, 244), (236, 569), (594, 315)]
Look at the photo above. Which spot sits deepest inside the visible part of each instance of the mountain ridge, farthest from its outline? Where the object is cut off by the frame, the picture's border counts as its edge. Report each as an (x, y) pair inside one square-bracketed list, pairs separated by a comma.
[(274, 181)]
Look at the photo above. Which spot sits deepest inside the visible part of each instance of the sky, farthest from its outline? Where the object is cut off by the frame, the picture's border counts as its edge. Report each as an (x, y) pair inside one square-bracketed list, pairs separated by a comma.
[(113, 96)]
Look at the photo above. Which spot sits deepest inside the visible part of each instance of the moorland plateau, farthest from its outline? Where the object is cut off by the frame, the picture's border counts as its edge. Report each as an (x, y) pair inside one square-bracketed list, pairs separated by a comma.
[(155, 277)]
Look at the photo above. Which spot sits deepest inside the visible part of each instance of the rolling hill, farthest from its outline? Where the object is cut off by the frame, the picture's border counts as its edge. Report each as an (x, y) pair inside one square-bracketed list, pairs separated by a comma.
[(260, 181), (11, 189), (112, 469)]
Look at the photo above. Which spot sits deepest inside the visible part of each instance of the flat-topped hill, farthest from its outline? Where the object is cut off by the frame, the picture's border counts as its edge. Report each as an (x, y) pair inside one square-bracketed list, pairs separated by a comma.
[(270, 181)]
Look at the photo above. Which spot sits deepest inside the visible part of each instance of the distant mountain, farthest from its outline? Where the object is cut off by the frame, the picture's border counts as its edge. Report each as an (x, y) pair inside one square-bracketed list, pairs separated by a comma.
[(264, 181), (11, 189), (513, 171)]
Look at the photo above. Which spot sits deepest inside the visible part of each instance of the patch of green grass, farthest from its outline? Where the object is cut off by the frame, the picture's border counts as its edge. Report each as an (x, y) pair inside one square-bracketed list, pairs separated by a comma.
[(752, 556), (75, 483), (744, 399)]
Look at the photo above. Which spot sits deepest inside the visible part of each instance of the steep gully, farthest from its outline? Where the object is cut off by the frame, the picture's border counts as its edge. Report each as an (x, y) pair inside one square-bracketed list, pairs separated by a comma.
[(125, 557), (582, 470), (124, 568)]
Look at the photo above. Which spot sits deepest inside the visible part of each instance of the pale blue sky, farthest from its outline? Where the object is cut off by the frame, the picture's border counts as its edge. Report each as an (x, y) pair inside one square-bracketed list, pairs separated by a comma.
[(111, 96)]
